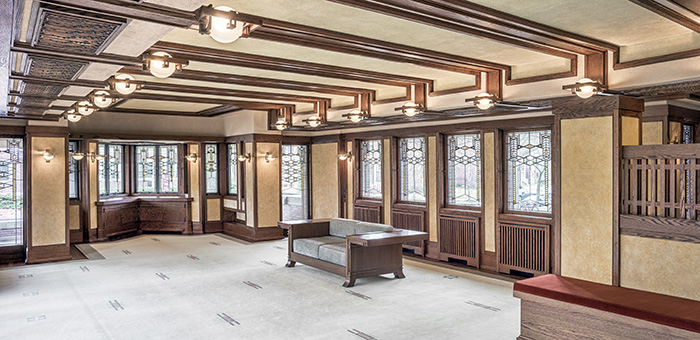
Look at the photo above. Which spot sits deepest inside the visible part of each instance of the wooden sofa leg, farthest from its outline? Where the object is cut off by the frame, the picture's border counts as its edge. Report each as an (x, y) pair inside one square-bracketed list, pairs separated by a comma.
[(349, 282), (399, 274), (290, 263)]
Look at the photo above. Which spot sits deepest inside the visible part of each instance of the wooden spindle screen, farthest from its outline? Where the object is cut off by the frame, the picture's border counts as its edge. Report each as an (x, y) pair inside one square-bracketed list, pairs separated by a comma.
[(411, 220), (661, 180), (523, 247), (459, 239), (368, 214)]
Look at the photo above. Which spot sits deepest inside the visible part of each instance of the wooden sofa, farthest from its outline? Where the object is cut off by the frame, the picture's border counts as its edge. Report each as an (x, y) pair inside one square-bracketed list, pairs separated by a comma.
[(349, 248), (556, 307)]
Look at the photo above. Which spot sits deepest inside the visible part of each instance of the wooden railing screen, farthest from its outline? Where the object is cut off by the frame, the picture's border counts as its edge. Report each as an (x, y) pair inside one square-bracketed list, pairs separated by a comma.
[(368, 214), (523, 247), (411, 220), (459, 239)]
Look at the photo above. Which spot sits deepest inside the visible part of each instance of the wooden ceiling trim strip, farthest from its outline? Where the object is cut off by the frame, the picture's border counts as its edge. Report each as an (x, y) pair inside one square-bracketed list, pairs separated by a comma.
[(256, 81), (104, 58), (286, 32), (6, 39), (201, 100), (654, 60), (670, 14), (219, 110), (226, 57), (230, 92), (457, 23), (573, 71), (43, 81), (475, 87), (690, 5)]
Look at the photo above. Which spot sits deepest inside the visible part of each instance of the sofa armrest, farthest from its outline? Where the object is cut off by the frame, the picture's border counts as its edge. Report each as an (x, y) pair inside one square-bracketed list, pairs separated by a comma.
[(397, 236), (305, 228)]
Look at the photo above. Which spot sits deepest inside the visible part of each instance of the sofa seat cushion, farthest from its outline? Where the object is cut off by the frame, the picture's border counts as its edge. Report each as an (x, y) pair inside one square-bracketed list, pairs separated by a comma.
[(334, 253), (309, 246), (367, 227), (340, 227)]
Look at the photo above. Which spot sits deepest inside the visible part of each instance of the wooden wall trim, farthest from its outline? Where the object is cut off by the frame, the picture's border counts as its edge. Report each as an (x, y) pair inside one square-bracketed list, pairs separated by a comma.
[(663, 228)]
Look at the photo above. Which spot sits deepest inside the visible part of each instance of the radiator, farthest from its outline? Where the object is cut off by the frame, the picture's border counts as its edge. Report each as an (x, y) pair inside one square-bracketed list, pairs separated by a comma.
[(459, 239), (410, 220), (368, 214), (523, 247)]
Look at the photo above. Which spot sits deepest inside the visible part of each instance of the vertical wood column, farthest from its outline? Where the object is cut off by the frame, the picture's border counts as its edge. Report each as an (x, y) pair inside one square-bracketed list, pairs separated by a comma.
[(47, 218)]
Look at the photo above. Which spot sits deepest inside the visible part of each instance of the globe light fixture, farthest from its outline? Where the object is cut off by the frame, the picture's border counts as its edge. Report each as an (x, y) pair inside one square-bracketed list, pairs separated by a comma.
[(586, 88), (77, 155), (85, 108), (124, 84), (281, 124), (243, 158), (73, 116), (48, 155), (344, 156), (160, 64), (101, 99), (314, 121), (355, 116), (484, 101), (225, 30), (411, 109)]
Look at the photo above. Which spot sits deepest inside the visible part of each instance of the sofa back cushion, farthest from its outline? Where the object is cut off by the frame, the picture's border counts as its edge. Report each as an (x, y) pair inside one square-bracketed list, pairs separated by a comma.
[(340, 227), (367, 227)]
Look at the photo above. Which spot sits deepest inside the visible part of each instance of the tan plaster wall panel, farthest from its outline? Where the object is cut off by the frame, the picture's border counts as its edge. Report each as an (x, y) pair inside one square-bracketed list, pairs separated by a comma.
[(489, 192), (386, 179), (213, 209), (630, 131), (92, 168), (432, 189), (74, 217), (652, 133), (268, 185), (351, 180), (586, 198), (660, 266), (48, 189), (324, 174), (231, 204), (194, 183), (249, 187)]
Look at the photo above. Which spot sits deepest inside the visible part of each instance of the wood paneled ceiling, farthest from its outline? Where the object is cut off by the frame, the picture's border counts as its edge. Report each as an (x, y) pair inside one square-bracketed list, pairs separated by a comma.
[(334, 55)]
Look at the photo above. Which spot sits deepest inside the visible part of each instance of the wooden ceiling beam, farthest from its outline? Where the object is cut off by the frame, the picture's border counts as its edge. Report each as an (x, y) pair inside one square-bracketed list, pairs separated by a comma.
[(477, 20), (672, 14), (227, 78), (229, 92), (103, 58), (227, 57)]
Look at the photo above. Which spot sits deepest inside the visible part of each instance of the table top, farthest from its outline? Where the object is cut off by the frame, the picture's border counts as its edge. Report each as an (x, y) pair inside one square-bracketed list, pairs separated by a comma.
[(387, 237)]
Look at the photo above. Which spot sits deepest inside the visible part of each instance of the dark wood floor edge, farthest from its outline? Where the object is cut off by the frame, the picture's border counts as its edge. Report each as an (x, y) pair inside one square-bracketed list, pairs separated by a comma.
[(441, 264), (89, 252)]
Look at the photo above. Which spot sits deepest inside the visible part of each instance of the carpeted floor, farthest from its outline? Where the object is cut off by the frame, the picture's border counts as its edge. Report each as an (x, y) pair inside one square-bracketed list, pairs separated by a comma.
[(215, 287)]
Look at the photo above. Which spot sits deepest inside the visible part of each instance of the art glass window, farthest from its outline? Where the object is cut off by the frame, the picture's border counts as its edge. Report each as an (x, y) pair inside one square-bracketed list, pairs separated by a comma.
[(11, 191), (111, 169), (156, 169), (529, 169), (233, 169), (211, 168), (73, 173), (412, 153), (463, 155), (371, 169), (295, 182)]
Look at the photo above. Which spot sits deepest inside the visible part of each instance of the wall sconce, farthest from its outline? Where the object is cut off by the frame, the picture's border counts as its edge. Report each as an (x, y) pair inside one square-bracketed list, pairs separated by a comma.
[(124, 84), (161, 64), (356, 116), (313, 121), (48, 155), (485, 101), (269, 157), (585, 88), (77, 155), (281, 124), (95, 157), (344, 156), (411, 109), (243, 158), (191, 157)]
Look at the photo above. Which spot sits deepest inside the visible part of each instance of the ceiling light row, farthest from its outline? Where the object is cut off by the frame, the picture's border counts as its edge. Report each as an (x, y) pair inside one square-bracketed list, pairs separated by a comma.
[(123, 84)]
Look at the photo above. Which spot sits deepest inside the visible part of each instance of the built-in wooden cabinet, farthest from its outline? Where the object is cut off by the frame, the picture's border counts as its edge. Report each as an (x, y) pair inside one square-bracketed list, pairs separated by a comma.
[(122, 216)]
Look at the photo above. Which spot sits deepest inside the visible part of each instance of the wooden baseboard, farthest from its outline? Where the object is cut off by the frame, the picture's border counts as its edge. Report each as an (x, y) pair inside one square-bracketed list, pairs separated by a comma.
[(433, 250), (197, 228), (488, 261), (52, 253), (251, 234), (76, 236), (213, 227), (93, 235)]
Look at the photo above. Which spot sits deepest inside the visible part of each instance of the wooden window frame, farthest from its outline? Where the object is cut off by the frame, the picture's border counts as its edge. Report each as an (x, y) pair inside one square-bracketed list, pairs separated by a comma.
[(359, 199), (395, 185), (309, 203), (78, 173), (180, 175), (444, 207), (218, 171), (126, 171)]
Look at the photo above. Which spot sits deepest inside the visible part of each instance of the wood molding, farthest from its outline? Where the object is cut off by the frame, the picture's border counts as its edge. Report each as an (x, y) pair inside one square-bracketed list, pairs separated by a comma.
[(573, 71), (653, 60), (679, 230), (670, 14), (6, 40), (52, 253)]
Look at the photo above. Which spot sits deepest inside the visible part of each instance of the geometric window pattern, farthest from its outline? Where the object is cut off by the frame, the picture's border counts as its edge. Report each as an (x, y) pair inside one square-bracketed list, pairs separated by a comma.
[(73, 172), (412, 169), (464, 170), (295, 189), (211, 168), (111, 169), (529, 167), (167, 169), (145, 157), (371, 168), (156, 169), (232, 169), (11, 191)]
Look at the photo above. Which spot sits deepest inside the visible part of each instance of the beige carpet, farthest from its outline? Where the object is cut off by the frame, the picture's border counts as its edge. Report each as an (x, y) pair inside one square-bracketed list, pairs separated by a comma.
[(213, 287)]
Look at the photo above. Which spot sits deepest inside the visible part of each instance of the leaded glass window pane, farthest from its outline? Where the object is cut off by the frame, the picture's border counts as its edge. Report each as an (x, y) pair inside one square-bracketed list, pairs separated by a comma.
[(116, 169), (101, 170), (211, 168), (168, 169), (73, 172), (295, 187), (11, 191), (463, 154), (412, 169), (145, 157), (233, 169), (371, 168), (529, 164)]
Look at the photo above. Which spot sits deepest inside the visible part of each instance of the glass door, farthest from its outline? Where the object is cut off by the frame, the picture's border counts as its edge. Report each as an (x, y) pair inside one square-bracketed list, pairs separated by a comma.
[(295, 182), (11, 192)]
